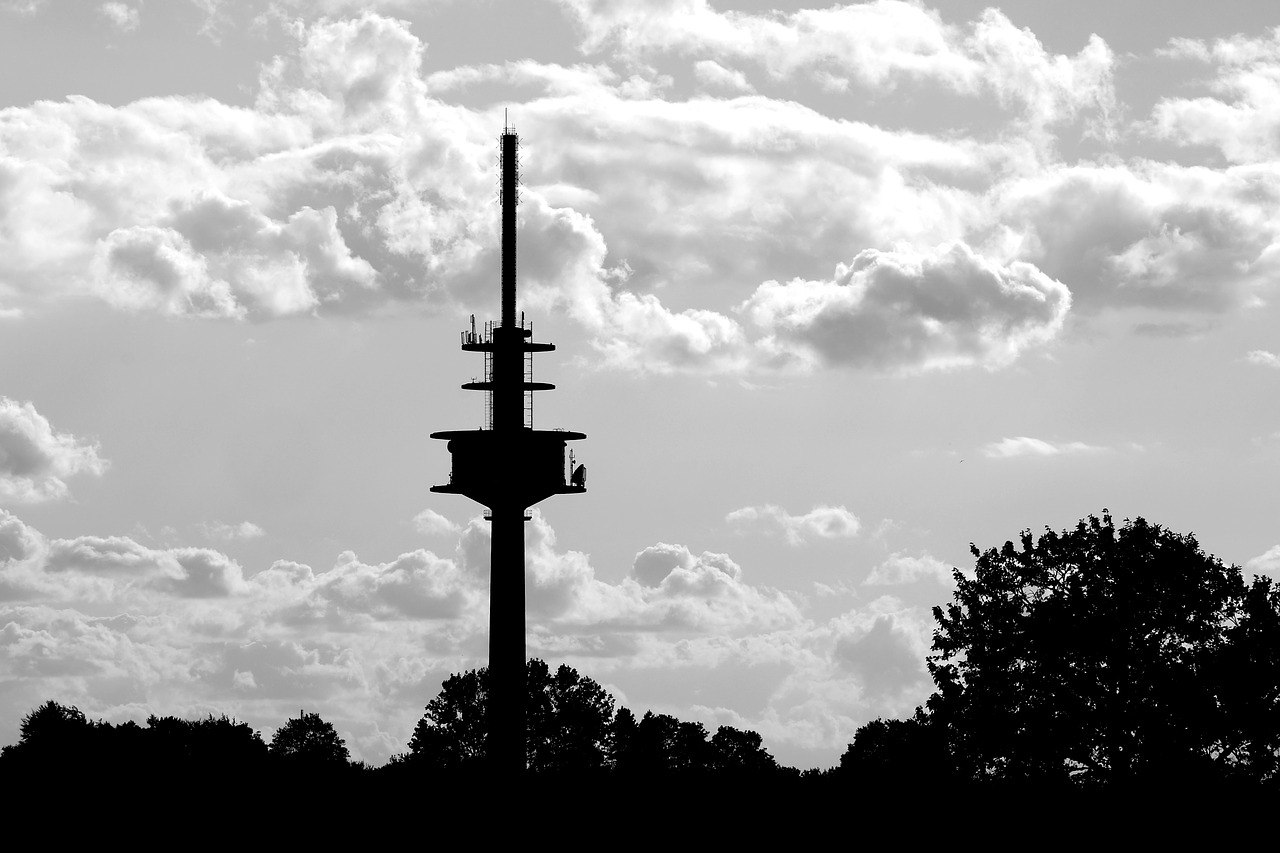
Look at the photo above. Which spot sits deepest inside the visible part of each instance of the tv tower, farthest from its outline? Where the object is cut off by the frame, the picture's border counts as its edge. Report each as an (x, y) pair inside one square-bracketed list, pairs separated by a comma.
[(508, 466)]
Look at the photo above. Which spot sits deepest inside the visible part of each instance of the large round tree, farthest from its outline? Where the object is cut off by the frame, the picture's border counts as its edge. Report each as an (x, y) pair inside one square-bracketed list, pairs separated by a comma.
[(1108, 654)]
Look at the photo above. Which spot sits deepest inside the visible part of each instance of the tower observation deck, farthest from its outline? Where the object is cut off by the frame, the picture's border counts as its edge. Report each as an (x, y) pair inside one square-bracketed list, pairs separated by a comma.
[(508, 466)]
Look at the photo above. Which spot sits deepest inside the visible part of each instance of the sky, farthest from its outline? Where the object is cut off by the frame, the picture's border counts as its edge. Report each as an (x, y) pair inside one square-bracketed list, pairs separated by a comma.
[(836, 293)]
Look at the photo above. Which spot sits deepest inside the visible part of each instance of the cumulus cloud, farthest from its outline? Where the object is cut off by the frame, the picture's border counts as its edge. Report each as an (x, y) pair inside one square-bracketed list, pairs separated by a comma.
[(904, 569), (431, 523), (912, 310), (880, 45), (713, 75), (232, 532), (886, 657), (22, 7), (1022, 445), (122, 16), (35, 461), (1239, 116), (822, 522), (121, 563), (1154, 235), (1263, 358), (17, 540), (351, 182), (124, 630), (1267, 562)]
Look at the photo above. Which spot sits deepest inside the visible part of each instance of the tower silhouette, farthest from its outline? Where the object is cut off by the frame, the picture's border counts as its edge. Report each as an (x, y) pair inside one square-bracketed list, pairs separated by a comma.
[(508, 466)]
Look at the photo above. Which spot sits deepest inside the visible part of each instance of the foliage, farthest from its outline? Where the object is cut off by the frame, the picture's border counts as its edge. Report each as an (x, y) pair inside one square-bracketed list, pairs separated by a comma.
[(452, 731), (1104, 655), (572, 727), (308, 739), (214, 742), (896, 752), (567, 719)]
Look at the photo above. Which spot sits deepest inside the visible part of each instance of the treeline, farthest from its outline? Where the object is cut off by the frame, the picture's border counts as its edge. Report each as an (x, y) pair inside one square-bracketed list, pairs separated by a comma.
[(573, 731), (1105, 659)]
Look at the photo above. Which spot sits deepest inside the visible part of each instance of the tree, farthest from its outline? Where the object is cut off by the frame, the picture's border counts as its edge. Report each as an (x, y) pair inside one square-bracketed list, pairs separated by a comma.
[(214, 743), (1102, 654), (453, 730), (52, 734), (308, 739), (567, 718), (896, 752), (623, 749), (740, 751)]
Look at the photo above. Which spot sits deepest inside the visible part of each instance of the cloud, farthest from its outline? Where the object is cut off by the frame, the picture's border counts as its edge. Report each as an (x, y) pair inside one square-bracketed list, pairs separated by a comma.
[(1264, 358), (35, 461), (22, 7), (885, 658), (17, 541), (1022, 445), (232, 532), (121, 566), (1148, 234), (122, 16), (1239, 116), (822, 522), (123, 630), (881, 45), (431, 523), (911, 310), (713, 75), (352, 182), (904, 569), (1267, 562)]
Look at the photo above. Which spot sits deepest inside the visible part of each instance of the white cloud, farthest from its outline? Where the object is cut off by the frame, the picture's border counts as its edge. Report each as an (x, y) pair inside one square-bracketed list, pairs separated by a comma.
[(1148, 234), (22, 7), (123, 630), (1264, 358), (1267, 562), (912, 310), (122, 16), (117, 566), (823, 522), (881, 45), (431, 523), (35, 461), (350, 184), (1239, 117), (1022, 445), (713, 75), (17, 541), (901, 568), (231, 532)]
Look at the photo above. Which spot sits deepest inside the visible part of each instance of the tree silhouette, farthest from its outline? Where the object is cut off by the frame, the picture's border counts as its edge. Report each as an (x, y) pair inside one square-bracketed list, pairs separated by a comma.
[(214, 744), (1105, 655), (896, 752), (568, 718), (452, 732), (308, 739), (52, 734), (623, 741), (741, 752)]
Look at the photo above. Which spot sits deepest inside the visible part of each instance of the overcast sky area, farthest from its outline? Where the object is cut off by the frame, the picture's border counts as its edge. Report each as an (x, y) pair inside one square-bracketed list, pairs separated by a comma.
[(836, 292)]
